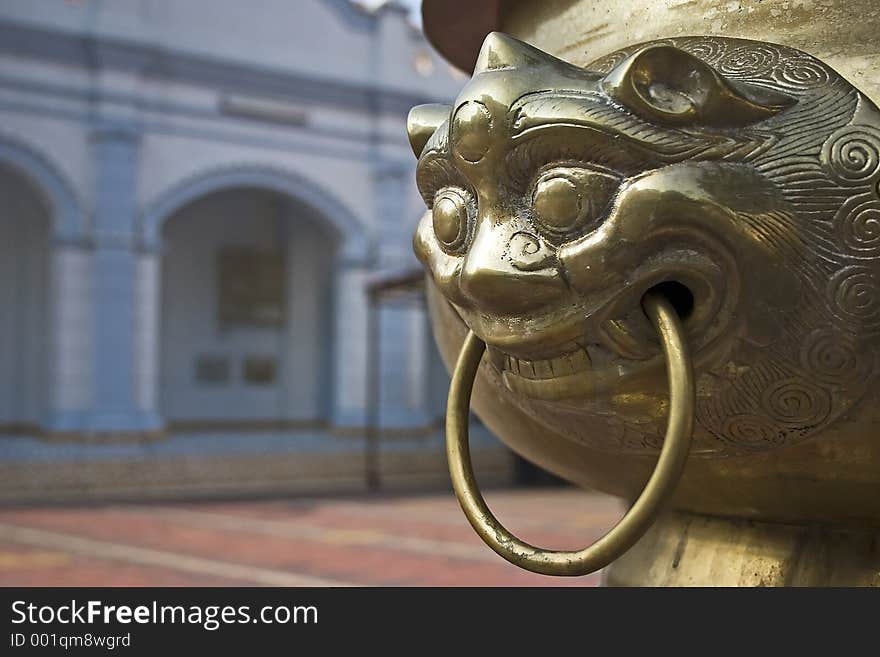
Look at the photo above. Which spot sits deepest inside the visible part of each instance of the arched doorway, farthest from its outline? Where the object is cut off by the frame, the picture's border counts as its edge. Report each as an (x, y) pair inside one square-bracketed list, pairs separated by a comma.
[(25, 225), (246, 326)]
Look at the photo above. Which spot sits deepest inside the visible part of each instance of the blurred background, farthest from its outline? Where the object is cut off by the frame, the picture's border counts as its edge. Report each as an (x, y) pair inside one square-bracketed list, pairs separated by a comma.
[(215, 361)]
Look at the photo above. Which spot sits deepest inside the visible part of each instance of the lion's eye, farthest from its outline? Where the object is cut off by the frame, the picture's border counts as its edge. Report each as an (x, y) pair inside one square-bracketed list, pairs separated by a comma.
[(558, 203), (450, 214), (566, 199)]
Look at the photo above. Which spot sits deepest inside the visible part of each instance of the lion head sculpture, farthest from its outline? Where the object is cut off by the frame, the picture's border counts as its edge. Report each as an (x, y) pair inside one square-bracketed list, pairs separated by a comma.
[(739, 178)]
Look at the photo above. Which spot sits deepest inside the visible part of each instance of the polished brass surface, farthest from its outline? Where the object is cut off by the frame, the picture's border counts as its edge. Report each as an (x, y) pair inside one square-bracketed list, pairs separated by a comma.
[(638, 518), (685, 549), (738, 177), (842, 33)]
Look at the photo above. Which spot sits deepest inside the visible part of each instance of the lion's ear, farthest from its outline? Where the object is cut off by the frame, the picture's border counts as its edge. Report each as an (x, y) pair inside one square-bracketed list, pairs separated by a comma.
[(422, 122), (666, 84)]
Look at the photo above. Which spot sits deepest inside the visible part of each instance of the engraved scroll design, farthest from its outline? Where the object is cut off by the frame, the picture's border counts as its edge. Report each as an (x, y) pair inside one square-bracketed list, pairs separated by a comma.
[(809, 381), (780, 403), (851, 155)]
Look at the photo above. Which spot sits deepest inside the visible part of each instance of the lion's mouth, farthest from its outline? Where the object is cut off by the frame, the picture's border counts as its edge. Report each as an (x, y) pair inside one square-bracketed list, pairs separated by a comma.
[(585, 370), (544, 369), (603, 360)]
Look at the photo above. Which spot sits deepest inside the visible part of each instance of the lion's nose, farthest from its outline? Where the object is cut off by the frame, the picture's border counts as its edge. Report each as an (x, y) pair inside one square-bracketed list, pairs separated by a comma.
[(510, 272)]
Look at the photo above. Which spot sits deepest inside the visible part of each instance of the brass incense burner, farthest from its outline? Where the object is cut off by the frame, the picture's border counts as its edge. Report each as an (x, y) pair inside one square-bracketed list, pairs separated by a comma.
[(672, 250)]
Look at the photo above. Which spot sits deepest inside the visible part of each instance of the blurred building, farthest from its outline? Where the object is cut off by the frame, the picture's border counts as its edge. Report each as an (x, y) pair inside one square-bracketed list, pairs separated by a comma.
[(193, 194)]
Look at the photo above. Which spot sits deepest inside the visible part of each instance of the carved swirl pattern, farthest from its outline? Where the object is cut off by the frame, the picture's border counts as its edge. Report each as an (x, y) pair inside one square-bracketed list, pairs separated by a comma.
[(801, 73), (857, 225), (797, 403), (852, 154), (709, 50), (834, 358), (856, 294), (750, 61), (752, 431)]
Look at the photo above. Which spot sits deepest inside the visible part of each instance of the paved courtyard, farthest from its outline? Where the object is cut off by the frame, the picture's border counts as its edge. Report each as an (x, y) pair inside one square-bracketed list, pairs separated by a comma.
[(331, 541)]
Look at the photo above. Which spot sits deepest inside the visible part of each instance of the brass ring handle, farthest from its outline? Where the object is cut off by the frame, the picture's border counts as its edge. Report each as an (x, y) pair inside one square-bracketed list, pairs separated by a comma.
[(640, 516)]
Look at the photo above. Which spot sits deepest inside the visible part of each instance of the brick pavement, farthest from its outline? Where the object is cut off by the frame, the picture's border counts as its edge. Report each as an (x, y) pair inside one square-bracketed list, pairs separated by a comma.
[(368, 540)]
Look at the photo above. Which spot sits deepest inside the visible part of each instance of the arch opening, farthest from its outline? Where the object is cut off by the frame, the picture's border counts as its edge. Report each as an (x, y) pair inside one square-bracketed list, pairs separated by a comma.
[(25, 231), (335, 216), (246, 295)]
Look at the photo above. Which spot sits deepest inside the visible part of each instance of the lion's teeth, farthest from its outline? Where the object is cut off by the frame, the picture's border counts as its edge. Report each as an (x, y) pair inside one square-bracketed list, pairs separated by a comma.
[(548, 368), (543, 369), (561, 366)]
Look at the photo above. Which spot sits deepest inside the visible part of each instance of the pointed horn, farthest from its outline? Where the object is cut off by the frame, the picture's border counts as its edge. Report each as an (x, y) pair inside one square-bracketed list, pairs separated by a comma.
[(502, 51), (422, 122)]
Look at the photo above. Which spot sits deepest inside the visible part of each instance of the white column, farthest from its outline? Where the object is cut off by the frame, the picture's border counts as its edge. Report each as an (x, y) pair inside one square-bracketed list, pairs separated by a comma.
[(70, 332), (115, 275)]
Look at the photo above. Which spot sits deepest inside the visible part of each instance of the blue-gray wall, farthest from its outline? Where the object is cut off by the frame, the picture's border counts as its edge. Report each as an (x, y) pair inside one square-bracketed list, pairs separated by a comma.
[(136, 138)]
